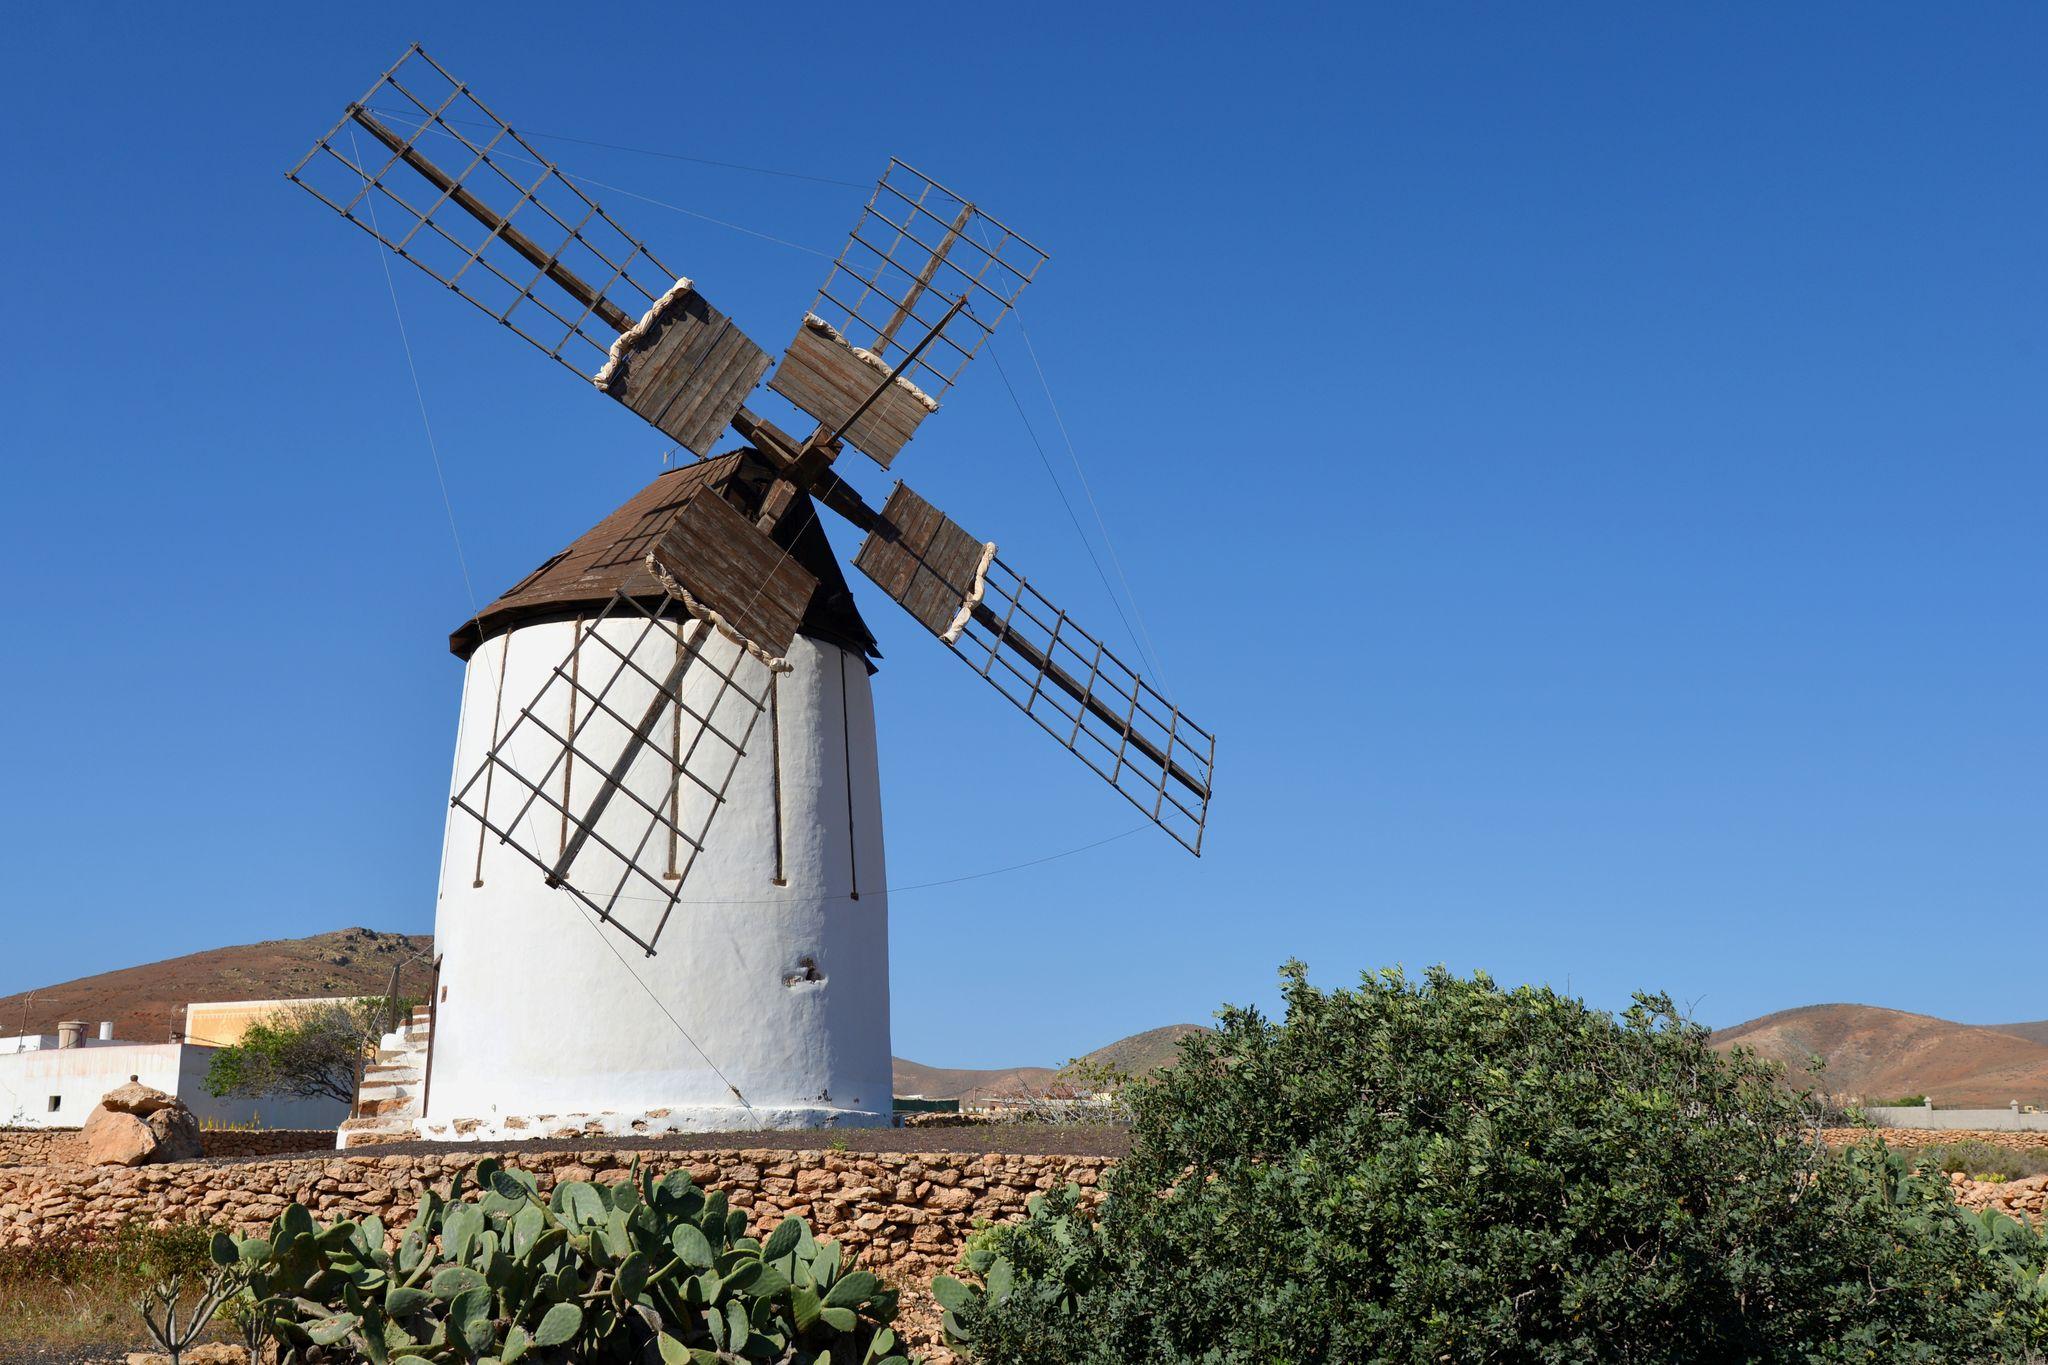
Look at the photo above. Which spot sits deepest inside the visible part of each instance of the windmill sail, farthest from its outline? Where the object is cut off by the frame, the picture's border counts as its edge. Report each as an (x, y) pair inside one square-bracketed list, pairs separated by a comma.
[(1067, 680), (425, 167), (609, 778), (917, 250)]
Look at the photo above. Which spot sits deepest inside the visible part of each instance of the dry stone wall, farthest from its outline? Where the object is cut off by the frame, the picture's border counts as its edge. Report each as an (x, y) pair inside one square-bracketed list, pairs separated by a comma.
[(905, 1214), (39, 1146), (2026, 1197), (1939, 1137), (55, 1146), (247, 1142)]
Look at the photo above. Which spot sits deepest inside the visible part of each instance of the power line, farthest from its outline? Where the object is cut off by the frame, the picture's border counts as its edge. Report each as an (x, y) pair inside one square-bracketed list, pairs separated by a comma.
[(645, 151), (678, 208), (419, 396), (894, 890), (1159, 667), (1065, 501), (417, 122)]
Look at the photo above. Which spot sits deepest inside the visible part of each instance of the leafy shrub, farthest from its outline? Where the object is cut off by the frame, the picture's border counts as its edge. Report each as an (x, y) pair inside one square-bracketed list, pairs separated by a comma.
[(1983, 1160), (312, 1051), (132, 1251), (1902, 1102), (1440, 1170), (2015, 1251), (1035, 1277), (645, 1269)]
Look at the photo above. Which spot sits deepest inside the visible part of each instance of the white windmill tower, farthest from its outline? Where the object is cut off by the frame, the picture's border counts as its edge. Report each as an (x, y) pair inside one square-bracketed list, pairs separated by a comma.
[(667, 738)]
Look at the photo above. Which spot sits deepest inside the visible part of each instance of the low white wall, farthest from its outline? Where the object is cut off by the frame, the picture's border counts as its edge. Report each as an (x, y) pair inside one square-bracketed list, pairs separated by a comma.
[(1920, 1116), (76, 1077)]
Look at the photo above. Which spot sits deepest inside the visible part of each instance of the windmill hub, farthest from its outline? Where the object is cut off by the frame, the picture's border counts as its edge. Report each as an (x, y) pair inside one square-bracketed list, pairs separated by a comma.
[(697, 656)]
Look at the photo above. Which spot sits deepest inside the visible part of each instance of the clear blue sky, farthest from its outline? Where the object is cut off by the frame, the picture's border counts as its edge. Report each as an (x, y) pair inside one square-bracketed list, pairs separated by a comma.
[(1585, 462)]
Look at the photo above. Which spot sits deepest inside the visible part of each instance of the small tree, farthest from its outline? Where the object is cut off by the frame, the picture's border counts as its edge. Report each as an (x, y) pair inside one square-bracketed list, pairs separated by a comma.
[(312, 1051)]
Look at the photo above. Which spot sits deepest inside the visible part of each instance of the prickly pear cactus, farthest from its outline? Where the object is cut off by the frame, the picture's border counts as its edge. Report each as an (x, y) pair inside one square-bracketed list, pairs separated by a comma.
[(645, 1270)]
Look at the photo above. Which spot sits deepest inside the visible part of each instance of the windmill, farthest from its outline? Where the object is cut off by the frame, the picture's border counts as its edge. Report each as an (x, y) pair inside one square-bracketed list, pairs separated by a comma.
[(678, 701)]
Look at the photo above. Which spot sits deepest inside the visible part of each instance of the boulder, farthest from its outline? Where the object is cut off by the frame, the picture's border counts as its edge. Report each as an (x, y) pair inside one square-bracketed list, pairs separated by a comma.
[(137, 1099), (114, 1138), (133, 1124), (177, 1134), (209, 1353)]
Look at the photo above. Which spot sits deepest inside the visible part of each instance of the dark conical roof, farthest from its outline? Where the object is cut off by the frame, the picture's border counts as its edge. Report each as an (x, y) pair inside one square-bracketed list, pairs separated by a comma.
[(611, 557)]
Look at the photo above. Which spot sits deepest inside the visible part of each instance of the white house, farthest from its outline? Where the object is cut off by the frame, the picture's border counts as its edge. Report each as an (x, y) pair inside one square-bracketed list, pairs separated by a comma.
[(55, 1080)]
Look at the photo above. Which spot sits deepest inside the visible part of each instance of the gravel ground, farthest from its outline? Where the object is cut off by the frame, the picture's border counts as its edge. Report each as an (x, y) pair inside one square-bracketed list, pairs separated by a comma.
[(64, 1355), (1020, 1139)]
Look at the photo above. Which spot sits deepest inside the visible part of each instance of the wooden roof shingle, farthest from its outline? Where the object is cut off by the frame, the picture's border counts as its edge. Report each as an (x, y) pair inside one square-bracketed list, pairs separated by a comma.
[(611, 557)]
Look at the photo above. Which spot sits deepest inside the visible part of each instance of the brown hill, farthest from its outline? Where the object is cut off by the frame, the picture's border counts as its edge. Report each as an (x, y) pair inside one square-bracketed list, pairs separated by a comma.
[(1137, 1054), (2036, 1030), (967, 1083), (1875, 1054), (1145, 1052), (147, 1002)]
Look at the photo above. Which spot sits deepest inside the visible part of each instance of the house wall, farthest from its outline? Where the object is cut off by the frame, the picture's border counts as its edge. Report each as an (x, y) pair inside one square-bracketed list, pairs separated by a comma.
[(1920, 1116), (76, 1077), (221, 1023)]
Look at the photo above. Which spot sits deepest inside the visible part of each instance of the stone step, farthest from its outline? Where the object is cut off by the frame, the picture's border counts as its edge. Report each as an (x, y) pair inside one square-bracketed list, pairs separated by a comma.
[(388, 1103), (358, 1132)]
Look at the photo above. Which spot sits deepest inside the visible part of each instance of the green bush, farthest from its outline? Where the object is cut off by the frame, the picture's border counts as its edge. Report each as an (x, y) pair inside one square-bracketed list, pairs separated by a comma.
[(1440, 1170), (644, 1270), (1983, 1160), (310, 1051)]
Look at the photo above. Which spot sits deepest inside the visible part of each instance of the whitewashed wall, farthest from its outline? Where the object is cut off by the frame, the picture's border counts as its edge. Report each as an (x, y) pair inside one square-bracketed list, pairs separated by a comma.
[(76, 1077), (542, 1023), (2007, 1120)]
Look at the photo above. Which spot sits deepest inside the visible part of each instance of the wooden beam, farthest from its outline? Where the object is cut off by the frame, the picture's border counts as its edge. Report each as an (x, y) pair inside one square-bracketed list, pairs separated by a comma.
[(476, 208), (1060, 678), (616, 778), (924, 281), (897, 373), (820, 482), (774, 503)]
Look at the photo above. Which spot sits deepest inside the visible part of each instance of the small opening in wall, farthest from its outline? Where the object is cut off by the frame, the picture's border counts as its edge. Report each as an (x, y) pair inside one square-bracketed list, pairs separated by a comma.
[(806, 970), (56, 1103)]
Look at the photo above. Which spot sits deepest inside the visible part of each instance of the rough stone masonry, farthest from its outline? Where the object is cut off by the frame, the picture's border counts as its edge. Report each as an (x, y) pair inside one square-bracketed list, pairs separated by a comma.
[(905, 1214)]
